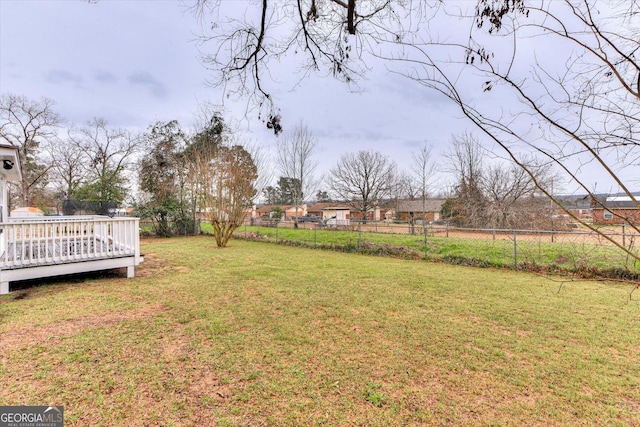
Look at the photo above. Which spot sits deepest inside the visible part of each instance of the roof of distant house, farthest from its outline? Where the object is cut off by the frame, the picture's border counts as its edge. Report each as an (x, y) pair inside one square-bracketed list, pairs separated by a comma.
[(613, 202), (620, 202), (430, 205), (317, 207), (269, 208)]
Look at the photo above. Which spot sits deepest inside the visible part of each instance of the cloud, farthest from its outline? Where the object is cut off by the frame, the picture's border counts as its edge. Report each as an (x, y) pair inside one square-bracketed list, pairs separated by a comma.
[(63, 76), (145, 79), (104, 77)]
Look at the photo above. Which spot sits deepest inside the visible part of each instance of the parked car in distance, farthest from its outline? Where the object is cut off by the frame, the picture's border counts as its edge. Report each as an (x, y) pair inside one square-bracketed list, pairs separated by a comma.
[(307, 218)]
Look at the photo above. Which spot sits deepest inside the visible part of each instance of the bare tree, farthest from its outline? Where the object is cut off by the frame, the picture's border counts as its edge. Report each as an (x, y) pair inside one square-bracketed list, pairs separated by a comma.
[(295, 161), (110, 154), (404, 186), (28, 124), (466, 161), (423, 168), (68, 165), (227, 175), (211, 134), (332, 34), (362, 179), (222, 177), (497, 194), (577, 109), (513, 199)]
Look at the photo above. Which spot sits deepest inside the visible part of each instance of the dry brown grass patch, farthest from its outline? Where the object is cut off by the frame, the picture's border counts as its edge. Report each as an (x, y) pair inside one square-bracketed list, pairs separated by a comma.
[(52, 332)]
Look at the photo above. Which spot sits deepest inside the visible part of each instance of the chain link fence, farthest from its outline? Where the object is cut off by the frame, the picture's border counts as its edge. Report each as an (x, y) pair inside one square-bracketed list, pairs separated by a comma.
[(150, 228), (577, 250)]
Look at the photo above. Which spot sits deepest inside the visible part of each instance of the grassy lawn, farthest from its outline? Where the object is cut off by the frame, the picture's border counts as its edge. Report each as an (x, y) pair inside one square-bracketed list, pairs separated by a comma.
[(573, 257), (259, 334)]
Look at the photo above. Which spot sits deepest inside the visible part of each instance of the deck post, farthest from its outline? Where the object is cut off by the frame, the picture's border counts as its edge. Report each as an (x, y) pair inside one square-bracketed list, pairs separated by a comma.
[(131, 272), (4, 288)]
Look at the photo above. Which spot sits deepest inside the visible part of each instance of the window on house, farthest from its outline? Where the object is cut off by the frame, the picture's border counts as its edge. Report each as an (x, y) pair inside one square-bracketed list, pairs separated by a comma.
[(608, 215)]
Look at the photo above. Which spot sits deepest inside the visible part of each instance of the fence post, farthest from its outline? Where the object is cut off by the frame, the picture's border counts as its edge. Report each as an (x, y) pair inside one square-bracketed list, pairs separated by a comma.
[(359, 234), (277, 227), (315, 237), (424, 226), (515, 250)]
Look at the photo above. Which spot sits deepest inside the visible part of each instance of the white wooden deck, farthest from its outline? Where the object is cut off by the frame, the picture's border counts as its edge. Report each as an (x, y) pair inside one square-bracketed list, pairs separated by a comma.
[(37, 247)]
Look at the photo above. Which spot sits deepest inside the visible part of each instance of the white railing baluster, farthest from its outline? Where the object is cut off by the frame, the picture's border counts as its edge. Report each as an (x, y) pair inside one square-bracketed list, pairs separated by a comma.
[(12, 237), (23, 241)]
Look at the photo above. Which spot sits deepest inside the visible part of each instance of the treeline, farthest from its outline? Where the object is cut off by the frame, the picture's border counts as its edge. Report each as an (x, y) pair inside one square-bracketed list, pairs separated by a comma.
[(177, 176), (173, 177)]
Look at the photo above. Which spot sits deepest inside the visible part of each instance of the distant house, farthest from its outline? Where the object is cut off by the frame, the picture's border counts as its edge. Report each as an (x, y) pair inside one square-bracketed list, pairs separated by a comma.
[(292, 212), (289, 211), (348, 213), (262, 211), (389, 214), (431, 210), (373, 214), (335, 212), (337, 215), (615, 210), (316, 208), (580, 206)]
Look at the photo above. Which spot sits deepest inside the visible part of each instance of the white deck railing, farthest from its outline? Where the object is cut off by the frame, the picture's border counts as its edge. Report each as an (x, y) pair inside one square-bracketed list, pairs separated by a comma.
[(38, 241)]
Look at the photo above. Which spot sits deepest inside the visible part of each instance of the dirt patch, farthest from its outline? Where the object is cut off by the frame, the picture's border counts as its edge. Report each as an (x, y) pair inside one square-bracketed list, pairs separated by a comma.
[(208, 385), (152, 266), (31, 335)]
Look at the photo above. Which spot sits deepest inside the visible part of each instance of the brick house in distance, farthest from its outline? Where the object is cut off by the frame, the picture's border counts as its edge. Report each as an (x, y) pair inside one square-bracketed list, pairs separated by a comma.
[(615, 210), (288, 211), (413, 209)]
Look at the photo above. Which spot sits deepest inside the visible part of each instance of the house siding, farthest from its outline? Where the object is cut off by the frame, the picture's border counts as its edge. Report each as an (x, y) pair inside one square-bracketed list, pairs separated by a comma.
[(631, 215), (408, 209), (428, 216)]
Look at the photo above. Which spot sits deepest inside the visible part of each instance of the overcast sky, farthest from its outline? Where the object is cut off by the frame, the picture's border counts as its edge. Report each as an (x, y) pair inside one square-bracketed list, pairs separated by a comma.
[(136, 62)]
